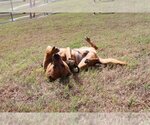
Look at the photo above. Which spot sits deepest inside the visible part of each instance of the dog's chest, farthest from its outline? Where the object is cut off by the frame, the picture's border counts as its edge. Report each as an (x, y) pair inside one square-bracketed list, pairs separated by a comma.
[(79, 56)]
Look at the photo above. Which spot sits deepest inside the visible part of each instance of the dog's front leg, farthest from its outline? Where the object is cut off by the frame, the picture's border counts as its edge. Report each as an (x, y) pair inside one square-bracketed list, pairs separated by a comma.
[(68, 53)]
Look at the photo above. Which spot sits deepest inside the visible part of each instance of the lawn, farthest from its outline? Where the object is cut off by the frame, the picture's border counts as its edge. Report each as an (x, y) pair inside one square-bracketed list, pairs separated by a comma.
[(24, 87)]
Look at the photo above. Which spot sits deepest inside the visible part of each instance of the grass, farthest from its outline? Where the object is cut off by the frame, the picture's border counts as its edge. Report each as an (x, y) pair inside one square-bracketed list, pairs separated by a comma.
[(24, 87), (6, 17)]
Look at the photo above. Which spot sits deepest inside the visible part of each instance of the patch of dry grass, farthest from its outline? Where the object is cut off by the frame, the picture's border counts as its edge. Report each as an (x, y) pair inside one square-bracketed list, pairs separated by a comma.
[(123, 36)]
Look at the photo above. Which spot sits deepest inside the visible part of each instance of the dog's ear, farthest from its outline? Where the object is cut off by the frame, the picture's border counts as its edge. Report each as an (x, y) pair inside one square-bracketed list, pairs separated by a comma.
[(53, 48)]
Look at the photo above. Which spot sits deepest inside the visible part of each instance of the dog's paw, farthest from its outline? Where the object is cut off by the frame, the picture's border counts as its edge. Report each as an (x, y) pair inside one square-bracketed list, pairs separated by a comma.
[(87, 38), (86, 61)]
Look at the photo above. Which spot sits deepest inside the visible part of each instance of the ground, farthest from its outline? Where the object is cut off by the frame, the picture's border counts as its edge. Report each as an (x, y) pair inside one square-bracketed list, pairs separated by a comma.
[(24, 87)]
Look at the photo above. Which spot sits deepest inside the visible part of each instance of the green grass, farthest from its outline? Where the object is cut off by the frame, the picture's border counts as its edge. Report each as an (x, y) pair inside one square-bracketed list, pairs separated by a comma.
[(6, 17), (24, 87)]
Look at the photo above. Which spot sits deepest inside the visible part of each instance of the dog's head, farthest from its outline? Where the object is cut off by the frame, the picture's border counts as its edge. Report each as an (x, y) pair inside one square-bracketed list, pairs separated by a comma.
[(48, 55), (57, 69)]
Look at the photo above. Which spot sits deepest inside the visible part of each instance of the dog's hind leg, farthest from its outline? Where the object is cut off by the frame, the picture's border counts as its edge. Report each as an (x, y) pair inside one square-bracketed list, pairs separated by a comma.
[(89, 60), (82, 64), (92, 61), (91, 43)]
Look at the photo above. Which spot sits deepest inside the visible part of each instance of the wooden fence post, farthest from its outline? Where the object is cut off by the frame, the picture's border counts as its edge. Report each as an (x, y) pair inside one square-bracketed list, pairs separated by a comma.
[(11, 14), (30, 8)]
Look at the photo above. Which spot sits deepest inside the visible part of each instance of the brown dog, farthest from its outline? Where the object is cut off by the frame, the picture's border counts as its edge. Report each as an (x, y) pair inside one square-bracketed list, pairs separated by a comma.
[(57, 68), (82, 57)]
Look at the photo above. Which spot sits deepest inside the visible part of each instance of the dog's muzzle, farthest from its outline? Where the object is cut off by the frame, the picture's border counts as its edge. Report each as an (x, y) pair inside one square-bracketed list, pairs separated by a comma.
[(51, 79)]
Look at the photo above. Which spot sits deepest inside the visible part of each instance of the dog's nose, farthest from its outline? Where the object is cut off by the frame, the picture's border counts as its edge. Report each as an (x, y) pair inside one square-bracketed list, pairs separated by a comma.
[(56, 56), (51, 79)]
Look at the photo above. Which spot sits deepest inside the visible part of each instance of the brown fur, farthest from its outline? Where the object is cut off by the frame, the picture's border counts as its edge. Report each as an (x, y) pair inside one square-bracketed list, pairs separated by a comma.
[(48, 56), (57, 69), (83, 57)]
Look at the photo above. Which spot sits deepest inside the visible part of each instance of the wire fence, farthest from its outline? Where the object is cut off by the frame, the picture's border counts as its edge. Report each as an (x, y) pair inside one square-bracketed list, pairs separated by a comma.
[(32, 7), (11, 5)]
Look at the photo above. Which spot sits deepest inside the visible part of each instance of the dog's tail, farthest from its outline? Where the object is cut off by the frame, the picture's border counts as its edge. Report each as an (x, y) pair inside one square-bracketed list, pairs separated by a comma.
[(91, 43), (111, 60), (94, 61)]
